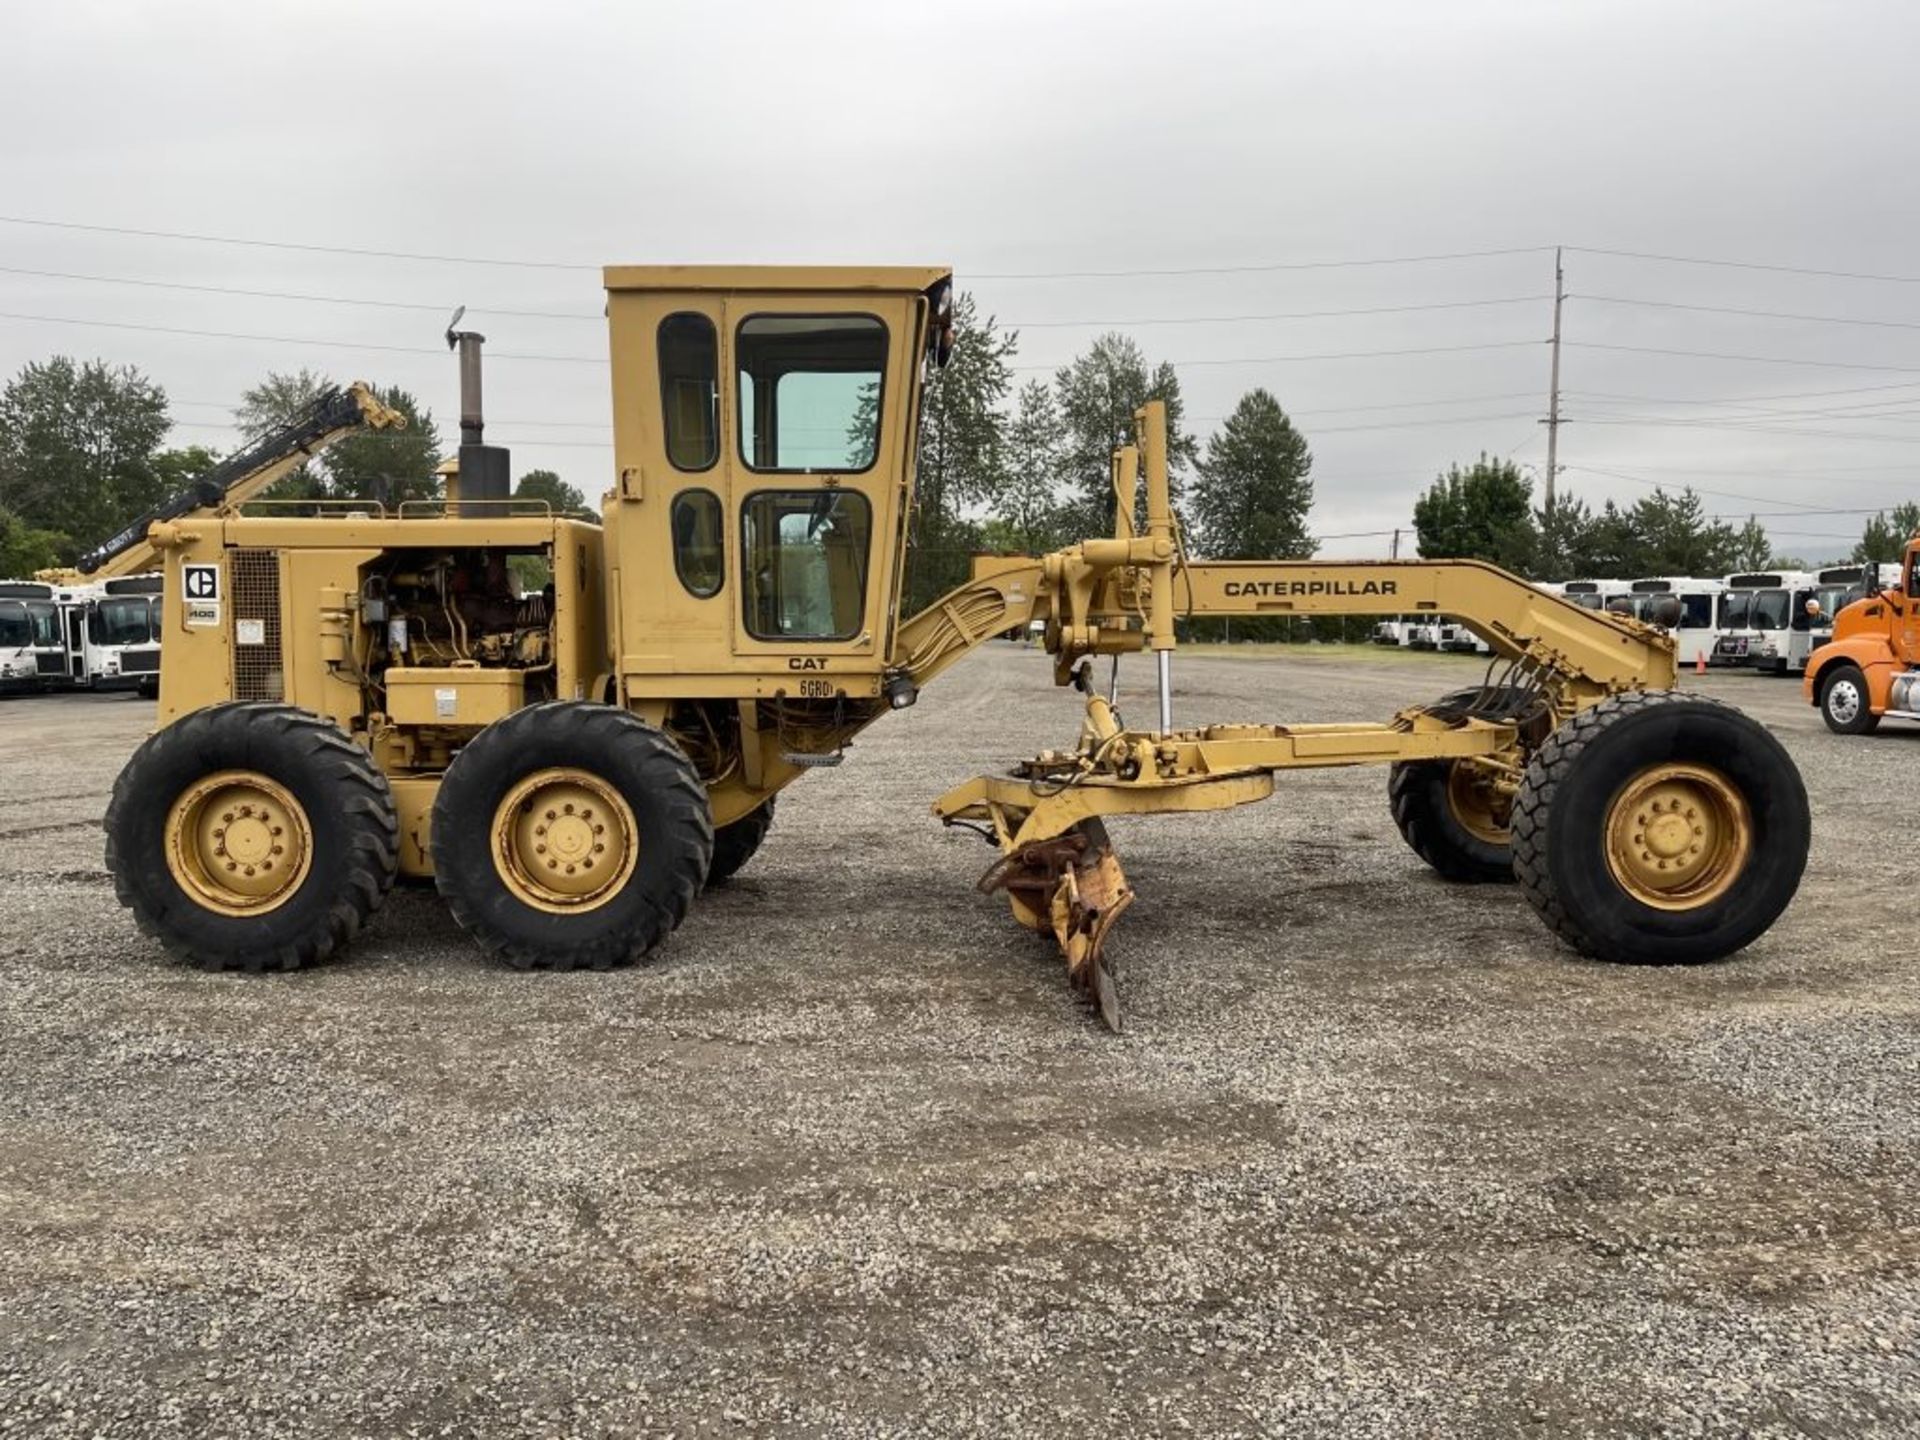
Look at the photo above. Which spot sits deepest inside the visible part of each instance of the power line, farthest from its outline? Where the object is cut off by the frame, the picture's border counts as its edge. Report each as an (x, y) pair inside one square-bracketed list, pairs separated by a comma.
[(1742, 428), (1257, 269), (296, 295), (1756, 359), (597, 317), (1757, 314), (294, 245), (1743, 399), (602, 360), (1747, 265), (292, 340), (1279, 315), (1331, 355)]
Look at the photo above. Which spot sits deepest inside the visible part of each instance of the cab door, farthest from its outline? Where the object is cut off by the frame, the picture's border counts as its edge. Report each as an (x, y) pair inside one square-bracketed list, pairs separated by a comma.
[(819, 387)]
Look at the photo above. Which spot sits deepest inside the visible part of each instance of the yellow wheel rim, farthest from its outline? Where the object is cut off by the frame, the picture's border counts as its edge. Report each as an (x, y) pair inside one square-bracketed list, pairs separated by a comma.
[(1476, 805), (238, 843), (1678, 836), (565, 841)]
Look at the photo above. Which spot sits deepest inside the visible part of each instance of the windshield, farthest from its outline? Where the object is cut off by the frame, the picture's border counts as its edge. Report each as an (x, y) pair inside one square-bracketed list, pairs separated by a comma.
[(1733, 610), (1586, 602), (809, 388), (1769, 610), (46, 622), (124, 621), (15, 630)]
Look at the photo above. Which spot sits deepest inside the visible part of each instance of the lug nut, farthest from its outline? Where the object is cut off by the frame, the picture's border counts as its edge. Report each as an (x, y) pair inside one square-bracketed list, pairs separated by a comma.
[(553, 814)]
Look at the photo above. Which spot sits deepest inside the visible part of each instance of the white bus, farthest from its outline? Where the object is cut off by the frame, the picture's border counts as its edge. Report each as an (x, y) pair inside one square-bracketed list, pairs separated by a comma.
[(123, 634), (1594, 594), (33, 638), (1754, 631), (1396, 631), (1696, 624)]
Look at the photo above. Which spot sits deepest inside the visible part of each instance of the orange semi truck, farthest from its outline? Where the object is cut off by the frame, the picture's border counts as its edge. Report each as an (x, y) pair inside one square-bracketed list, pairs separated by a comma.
[(1870, 670)]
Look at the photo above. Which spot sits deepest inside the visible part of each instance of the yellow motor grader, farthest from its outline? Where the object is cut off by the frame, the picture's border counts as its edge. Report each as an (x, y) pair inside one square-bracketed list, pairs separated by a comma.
[(352, 692)]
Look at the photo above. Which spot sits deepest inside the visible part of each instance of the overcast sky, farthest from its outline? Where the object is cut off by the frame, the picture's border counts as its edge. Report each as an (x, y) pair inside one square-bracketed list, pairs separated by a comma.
[(1015, 140)]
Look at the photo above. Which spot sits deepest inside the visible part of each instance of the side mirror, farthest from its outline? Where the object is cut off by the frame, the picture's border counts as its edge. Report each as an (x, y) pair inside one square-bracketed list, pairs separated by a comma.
[(1665, 612), (940, 325)]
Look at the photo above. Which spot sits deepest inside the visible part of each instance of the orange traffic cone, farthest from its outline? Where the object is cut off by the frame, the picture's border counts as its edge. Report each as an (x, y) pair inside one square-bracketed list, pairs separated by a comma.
[(1700, 662)]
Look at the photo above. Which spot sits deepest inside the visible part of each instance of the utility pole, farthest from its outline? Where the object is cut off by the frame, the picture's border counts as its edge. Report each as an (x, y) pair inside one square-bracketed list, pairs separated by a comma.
[(1394, 554), (1553, 393)]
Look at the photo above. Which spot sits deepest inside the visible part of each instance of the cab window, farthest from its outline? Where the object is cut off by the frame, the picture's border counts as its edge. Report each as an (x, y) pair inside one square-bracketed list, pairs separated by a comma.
[(690, 390), (804, 565), (698, 553), (810, 392), (16, 631), (46, 623)]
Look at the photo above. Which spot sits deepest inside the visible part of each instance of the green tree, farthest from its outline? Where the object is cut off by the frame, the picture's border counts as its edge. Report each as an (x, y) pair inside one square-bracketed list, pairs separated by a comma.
[(1250, 498), (384, 466), (179, 468), (546, 485), (960, 465), (389, 467), (1613, 546), (77, 444), (1028, 512), (1886, 536), (23, 549), (1677, 538), (1097, 395), (274, 402), (1564, 540), (1750, 550), (1483, 512)]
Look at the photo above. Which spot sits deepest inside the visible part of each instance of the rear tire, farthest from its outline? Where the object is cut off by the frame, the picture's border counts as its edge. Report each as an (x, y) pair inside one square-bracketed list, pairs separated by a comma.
[(571, 835), (208, 807), (1659, 828), (1845, 702), (734, 845), (1428, 807)]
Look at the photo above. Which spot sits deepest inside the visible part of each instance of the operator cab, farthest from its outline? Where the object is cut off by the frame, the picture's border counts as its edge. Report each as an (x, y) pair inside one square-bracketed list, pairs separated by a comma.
[(764, 428)]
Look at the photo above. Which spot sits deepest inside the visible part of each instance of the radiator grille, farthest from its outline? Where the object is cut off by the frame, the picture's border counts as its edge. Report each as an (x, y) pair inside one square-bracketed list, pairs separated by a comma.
[(44, 664), (136, 662), (253, 580)]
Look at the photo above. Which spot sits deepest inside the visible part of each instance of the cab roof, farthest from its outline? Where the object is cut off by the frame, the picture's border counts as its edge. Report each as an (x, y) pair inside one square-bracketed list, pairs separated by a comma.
[(892, 279)]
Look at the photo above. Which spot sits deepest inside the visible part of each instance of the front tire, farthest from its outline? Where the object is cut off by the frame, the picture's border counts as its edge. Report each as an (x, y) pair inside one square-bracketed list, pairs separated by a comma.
[(1845, 702), (252, 837), (1659, 828), (571, 835)]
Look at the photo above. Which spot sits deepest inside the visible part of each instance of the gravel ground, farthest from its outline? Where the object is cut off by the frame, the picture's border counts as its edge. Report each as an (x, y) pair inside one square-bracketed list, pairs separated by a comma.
[(1375, 1157)]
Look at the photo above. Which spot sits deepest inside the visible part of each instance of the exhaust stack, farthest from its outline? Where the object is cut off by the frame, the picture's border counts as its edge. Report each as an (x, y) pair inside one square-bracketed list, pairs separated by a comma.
[(484, 480)]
